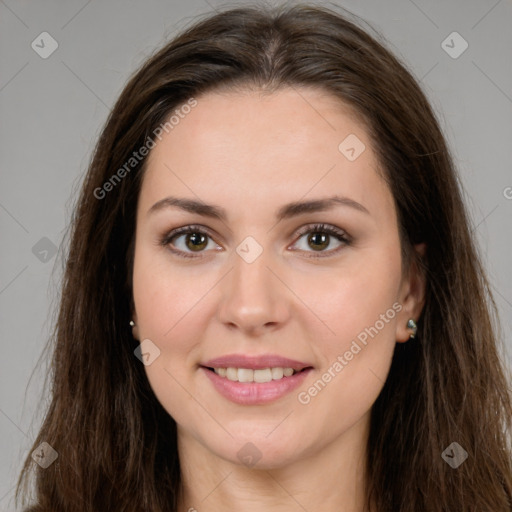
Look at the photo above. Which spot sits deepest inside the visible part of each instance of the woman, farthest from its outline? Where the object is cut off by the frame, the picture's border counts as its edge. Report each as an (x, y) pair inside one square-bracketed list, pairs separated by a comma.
[(209, 355)]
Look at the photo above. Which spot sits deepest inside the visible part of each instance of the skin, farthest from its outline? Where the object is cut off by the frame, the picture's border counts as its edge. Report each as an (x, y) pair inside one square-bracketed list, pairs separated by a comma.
[(250, 154)]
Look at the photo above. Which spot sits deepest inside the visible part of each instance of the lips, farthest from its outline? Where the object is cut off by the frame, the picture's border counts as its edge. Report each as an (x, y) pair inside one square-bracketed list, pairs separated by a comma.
[(255, 380), (255, 393)]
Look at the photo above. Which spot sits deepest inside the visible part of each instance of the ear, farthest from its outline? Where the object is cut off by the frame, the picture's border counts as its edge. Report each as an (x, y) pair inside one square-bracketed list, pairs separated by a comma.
[(412, 294)]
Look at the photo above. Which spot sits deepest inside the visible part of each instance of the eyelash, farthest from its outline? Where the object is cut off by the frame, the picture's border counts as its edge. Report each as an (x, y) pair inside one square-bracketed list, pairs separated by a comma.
[(339, 234)]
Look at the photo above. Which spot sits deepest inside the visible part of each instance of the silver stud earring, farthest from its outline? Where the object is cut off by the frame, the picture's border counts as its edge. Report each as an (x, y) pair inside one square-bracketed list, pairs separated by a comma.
[(411, 324), (132, 323)]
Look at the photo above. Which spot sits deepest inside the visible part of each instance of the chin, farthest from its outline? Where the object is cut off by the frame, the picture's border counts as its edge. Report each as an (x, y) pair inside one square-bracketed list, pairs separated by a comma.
[(258, 452)]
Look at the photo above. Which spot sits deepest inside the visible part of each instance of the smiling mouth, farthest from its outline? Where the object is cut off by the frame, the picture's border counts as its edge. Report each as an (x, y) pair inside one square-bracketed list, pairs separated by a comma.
[(248, 375)]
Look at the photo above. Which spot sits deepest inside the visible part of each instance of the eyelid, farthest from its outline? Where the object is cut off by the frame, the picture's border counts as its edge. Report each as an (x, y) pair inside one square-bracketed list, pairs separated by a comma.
[(322, 227)]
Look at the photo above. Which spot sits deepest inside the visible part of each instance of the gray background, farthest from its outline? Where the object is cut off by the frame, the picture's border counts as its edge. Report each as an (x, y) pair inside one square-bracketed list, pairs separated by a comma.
[(51, 111)]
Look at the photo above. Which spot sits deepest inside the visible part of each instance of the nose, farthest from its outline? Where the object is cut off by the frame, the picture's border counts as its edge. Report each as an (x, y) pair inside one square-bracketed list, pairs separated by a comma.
[(254, 298)]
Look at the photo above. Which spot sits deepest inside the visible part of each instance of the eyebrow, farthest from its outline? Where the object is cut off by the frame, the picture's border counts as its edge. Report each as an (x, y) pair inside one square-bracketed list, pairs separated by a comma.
[(285, 212)]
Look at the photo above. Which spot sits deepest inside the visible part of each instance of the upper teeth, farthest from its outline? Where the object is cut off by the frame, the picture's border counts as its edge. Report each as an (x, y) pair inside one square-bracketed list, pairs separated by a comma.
[(248, 375)]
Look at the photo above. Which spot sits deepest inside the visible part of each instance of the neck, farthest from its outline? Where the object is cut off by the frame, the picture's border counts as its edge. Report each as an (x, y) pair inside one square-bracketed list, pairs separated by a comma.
[(332, 475)]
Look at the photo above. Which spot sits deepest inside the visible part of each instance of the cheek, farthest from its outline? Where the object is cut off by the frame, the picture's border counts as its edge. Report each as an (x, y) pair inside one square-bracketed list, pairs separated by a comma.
[(357, 296), (165, 295), (359, 305), (166, 301), (355, 361)]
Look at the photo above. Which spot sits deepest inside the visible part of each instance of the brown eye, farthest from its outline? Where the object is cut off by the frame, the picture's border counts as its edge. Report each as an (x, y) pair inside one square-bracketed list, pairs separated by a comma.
[(186, 241), (198, 241), (320, 236), (320, 240)]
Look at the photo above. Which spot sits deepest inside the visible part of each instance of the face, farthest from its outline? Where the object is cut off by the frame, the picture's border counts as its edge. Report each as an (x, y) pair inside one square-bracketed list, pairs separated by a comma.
[(320, 289)]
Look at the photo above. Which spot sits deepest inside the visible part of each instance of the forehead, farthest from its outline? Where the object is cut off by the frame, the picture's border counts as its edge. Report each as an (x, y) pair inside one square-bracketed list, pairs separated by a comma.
[(249, 148)]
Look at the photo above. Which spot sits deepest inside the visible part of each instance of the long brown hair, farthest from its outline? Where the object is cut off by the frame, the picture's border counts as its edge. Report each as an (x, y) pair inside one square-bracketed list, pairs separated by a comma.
[(116, 444)]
